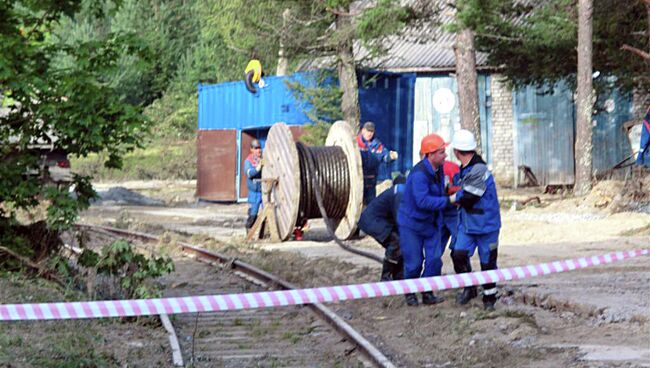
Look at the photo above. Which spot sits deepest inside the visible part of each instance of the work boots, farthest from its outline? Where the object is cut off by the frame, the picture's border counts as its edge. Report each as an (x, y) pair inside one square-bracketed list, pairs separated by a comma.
[(490, 289), (489, 301), (392, 270), (398, 270), (462, 265), (430, 299), (411, 300), (468, 294), (387, 271)]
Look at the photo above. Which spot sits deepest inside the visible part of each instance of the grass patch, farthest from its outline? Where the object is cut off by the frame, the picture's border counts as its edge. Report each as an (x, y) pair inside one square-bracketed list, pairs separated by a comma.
[(71, 343), (291, 336), (522, 316), (160, 161)]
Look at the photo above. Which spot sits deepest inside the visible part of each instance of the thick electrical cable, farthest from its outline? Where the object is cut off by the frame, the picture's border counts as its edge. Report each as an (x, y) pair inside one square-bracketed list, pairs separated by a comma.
[(334, 181), (312, 189)]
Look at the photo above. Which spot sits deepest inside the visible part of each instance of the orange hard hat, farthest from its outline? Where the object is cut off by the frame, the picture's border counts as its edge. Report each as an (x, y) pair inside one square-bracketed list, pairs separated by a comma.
[(432, 143)]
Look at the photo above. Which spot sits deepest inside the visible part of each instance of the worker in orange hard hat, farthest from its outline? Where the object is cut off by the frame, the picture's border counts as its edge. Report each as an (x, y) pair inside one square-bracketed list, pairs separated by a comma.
[(420, 216)]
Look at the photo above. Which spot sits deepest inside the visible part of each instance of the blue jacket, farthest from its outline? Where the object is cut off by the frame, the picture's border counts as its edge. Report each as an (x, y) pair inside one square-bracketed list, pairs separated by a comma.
[(379, 219), (479, 204), (373, 153), (253, 176), (644, 150), (423, 200)]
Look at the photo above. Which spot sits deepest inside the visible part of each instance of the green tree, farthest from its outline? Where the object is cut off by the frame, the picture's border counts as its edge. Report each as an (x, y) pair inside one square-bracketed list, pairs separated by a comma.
[(466, 74), (537, 44), (75, 102), (207, 60), (322, 32), (166, 27)]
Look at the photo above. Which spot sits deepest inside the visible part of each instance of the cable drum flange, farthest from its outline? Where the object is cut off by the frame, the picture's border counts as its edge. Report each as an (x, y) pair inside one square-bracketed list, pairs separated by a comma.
[(281, 166), (342, 135)]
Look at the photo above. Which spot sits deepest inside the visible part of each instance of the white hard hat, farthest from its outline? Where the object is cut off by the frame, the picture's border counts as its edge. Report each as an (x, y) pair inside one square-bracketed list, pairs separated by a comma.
[(463, 140)]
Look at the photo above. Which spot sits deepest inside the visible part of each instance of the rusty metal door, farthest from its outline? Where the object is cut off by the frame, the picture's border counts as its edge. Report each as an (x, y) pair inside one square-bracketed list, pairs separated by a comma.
[(217, 165)]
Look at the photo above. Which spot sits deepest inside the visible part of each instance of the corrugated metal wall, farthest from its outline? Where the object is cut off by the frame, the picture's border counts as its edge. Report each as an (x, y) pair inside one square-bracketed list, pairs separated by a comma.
[(545, 126), (436, 111), (545, 133), (231, 106), (611, 144), (387, 100)]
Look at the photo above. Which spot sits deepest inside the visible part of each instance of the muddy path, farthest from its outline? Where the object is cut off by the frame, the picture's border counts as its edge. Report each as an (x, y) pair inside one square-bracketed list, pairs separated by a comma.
[(597, 317)]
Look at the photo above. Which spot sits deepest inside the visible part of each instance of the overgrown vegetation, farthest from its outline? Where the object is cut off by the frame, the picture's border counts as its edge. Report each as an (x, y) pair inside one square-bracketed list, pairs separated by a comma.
[(65, 90), (128, 271), (159, 162), (73, 343)]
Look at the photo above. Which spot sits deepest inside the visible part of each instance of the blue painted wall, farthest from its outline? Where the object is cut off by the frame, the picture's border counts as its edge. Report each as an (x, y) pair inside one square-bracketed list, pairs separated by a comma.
[(384, 98), (387, 100), (230, 105)]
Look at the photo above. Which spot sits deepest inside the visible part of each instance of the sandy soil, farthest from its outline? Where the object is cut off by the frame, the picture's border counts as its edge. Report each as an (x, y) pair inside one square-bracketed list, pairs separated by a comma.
[(598, 317)]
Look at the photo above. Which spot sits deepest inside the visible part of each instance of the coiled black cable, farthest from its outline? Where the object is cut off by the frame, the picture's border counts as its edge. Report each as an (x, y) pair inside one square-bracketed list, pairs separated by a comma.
[(311, 198), (329, 166)]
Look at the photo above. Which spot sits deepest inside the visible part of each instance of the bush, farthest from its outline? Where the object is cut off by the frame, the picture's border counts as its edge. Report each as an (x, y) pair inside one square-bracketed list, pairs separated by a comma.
[(128, 271)]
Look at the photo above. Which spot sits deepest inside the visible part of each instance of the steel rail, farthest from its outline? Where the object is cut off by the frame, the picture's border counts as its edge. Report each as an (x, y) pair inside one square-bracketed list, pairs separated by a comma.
[(335, 321)]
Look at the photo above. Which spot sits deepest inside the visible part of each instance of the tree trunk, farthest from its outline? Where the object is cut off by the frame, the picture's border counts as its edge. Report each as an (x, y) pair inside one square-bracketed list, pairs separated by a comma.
[(283, 62), (584, 103), (647, 10), (467, 79), (347, 72)]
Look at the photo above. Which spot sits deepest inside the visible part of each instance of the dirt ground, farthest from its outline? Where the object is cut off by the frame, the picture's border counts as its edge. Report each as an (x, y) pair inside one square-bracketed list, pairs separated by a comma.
[(597, 317)]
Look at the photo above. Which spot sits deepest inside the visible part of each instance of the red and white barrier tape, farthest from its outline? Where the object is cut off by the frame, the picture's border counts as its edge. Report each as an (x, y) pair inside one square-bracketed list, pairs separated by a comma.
[(212, 303)]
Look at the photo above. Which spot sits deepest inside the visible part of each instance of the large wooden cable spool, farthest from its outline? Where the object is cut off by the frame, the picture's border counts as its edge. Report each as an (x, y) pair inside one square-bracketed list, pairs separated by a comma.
[(282, 172)]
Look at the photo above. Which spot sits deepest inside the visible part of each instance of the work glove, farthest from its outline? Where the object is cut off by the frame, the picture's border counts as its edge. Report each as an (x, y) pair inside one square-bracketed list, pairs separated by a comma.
[(259, 166), (393, 155)]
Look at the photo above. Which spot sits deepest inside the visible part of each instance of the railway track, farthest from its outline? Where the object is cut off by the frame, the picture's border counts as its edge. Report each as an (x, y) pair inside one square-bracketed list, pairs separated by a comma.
[(296, 336)]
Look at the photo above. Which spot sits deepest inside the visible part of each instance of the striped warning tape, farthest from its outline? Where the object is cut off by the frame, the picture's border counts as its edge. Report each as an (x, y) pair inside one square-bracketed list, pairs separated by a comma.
[(211, 303)]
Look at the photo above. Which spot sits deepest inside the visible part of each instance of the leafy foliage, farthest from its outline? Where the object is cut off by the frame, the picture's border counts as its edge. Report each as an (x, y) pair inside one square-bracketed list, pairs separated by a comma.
[(74, 103), (537, 44), (129, 269)]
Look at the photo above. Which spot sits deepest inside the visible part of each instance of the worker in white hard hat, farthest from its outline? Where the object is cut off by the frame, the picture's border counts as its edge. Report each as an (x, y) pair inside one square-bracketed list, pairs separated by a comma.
[(479, 217)]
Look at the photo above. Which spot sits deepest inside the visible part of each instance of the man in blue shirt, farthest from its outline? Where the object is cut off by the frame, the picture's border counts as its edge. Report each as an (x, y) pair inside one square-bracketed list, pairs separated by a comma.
[(479, 217), (253, 171), (420, 216), (373, 153)]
